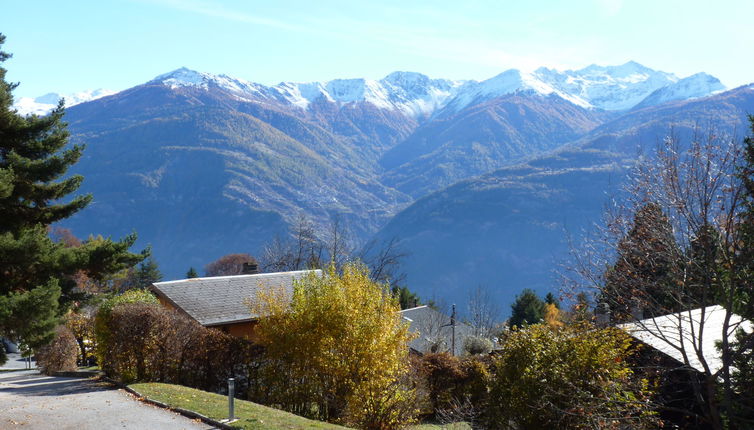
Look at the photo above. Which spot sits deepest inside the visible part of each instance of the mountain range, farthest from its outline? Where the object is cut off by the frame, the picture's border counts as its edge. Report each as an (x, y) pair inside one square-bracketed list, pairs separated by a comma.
[(478, 178)]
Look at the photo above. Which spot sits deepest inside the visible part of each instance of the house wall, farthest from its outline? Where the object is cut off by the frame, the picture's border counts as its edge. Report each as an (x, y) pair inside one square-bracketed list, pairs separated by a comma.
[(164, 302), (243, 329)]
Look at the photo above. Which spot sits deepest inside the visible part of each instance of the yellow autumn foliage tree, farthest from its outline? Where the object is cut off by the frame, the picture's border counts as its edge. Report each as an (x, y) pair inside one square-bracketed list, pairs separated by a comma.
[(336, 349), (553, 316)]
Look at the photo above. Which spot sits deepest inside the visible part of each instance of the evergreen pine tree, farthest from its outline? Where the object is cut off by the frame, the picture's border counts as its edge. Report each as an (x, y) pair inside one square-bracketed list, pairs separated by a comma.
[(191, 273), (742, 413), (36, 273), (143, 275), (550, 299), (406, 298), (527, 309), (646, 269), (703, 269), (745, 255)]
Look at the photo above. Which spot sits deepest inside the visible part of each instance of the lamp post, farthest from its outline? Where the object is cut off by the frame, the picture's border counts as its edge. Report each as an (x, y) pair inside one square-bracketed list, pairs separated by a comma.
[(231, 398)]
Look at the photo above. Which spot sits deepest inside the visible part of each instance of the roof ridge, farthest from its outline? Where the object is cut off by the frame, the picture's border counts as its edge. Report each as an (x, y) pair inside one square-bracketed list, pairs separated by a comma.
[(411, 309), (250, 275)]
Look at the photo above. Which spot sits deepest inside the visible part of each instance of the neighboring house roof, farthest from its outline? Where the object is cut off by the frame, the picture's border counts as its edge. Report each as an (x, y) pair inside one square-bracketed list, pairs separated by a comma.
[(224, 299), (674, 333), (433, 328)]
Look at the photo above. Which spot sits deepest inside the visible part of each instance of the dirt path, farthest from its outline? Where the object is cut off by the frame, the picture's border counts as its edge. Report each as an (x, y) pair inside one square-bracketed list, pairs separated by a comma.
[(29, 400)]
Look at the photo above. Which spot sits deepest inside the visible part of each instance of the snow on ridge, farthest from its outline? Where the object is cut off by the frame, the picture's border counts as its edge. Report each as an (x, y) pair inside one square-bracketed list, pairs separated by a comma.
[(619, 87), (609, 87), (185, 77), (691, 87), (509, 82), (44, 104), (414, 94)]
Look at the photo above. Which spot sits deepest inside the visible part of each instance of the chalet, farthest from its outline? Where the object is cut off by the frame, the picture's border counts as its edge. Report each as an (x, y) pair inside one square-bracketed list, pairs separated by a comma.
[(688, 337), (222, 302), (680, 345)]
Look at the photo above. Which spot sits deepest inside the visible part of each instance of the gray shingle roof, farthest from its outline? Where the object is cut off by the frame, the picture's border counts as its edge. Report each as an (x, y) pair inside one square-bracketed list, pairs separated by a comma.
[(680, 331), (223, 299), (432, 328)]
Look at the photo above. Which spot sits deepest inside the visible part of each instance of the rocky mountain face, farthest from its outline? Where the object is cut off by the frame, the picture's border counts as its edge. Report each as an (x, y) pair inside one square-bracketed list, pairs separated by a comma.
[(510, 229), (203, 165), (199, 173)]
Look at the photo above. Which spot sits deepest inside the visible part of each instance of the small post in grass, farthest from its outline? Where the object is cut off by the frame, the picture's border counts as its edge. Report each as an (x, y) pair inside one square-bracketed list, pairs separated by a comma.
[(231, 392)]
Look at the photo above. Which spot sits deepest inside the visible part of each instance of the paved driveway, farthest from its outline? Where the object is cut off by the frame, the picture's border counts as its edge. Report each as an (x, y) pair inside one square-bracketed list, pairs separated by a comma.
[(15, 361), (29, 400)]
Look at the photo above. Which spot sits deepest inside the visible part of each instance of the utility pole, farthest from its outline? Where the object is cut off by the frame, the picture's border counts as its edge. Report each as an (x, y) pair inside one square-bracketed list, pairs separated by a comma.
[(453, 330), (452, 326)]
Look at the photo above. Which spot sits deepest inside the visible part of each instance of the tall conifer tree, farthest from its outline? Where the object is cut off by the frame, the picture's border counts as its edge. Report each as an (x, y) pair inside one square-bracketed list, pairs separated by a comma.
[(646, 268), (37, 273), (527, 309)]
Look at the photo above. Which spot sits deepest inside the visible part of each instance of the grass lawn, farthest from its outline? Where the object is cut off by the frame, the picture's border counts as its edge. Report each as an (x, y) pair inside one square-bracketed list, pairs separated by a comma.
[(250, 415)]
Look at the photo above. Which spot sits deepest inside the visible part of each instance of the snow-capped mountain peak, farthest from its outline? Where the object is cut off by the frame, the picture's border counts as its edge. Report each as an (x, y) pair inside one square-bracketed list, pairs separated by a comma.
[(184, 77), (509, 82), (694, 86), (42, 105), (608, 87), (412, 93), (619, 87)]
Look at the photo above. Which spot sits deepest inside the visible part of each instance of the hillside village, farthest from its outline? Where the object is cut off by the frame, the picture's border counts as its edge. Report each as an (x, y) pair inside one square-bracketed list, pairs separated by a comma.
[(542, 249)]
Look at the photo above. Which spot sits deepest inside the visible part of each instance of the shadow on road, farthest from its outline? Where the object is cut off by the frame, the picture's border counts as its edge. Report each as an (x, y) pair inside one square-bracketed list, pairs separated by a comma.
[(41, 385)]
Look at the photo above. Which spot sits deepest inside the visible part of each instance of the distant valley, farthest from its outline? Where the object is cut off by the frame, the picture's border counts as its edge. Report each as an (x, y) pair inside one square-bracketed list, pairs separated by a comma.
[(481, 180)]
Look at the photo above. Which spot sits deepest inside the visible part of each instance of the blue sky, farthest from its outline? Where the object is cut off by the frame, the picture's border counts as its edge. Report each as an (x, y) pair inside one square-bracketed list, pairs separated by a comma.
[(68, 46)]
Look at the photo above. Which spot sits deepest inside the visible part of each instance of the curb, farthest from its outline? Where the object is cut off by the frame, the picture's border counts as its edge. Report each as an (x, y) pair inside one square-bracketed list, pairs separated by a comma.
[(11, 370), (78, 374), (185, 412)]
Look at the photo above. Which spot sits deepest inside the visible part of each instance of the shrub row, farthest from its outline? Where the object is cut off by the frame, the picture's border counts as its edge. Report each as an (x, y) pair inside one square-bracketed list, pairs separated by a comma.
[(147, 342), (60, 354)]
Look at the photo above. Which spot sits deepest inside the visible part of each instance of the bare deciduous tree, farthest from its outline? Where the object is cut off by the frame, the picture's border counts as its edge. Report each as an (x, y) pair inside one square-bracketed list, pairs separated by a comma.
[(484, 314), (301, 250), (228, 265), (384, 260), (695, 186)]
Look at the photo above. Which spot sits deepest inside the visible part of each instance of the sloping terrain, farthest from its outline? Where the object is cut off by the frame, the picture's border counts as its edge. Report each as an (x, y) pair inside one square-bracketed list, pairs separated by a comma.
[(483, 138), (509, 229), (197, 177), (204, 165)]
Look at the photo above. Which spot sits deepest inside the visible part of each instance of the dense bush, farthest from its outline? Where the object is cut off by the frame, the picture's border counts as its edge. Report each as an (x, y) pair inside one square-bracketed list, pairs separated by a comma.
[(81, 323), (60, 354), (456, 388), (475, 345), (336, 350), (575, 377), (382, 404), (147, 342), (102, 323)]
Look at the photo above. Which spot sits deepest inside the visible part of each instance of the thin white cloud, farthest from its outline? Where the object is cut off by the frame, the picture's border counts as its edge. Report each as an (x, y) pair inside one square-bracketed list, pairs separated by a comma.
[(214, 10), (610, 7)]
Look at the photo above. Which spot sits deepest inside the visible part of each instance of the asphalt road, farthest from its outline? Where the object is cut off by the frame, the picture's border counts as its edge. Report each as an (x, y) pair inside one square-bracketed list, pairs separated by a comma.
[(15, 361), (29, 400)]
